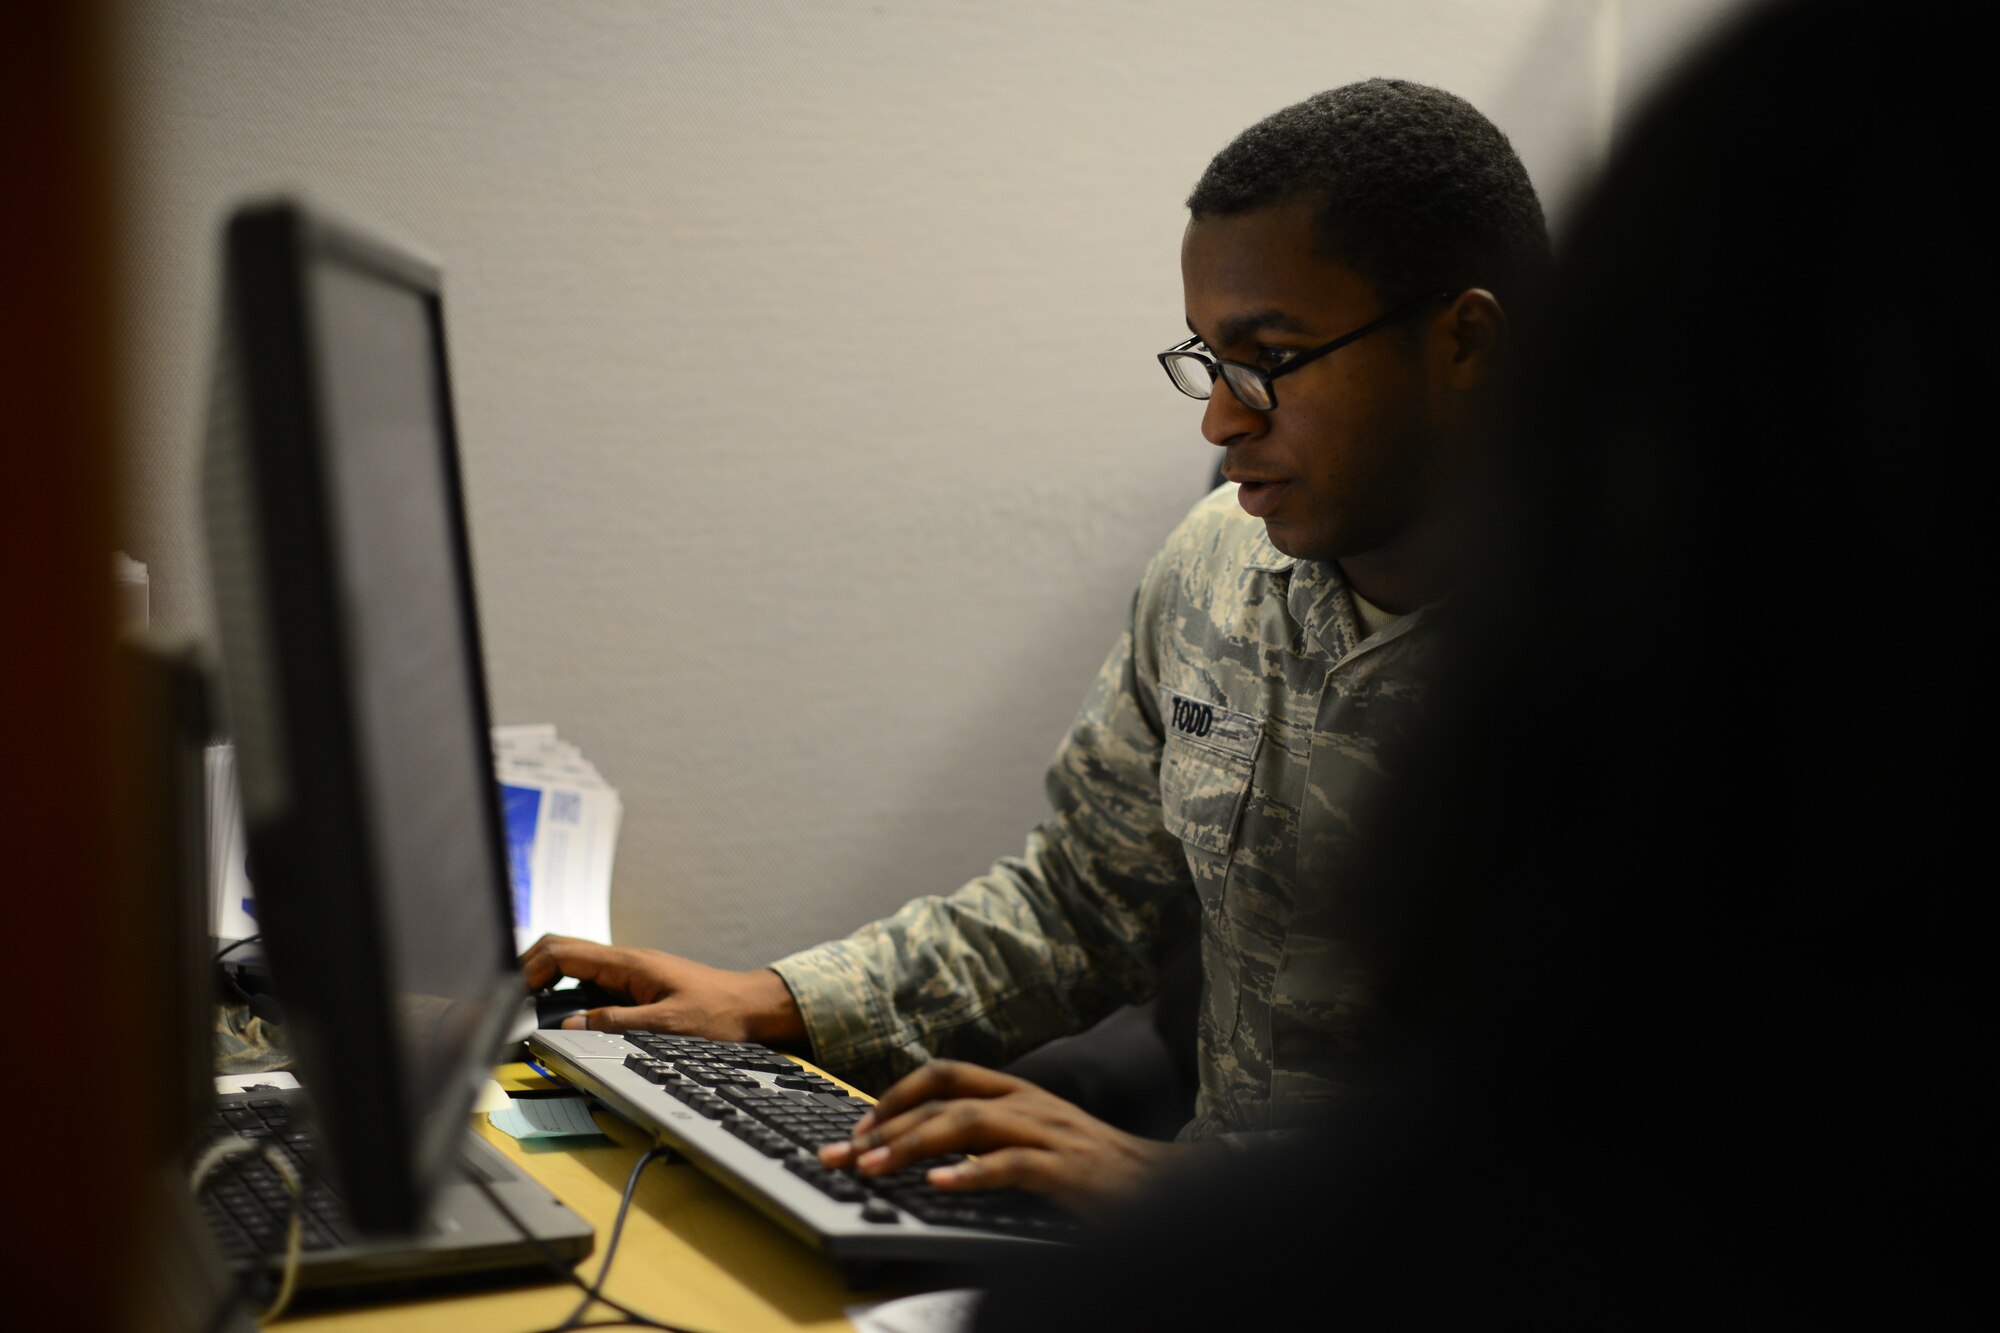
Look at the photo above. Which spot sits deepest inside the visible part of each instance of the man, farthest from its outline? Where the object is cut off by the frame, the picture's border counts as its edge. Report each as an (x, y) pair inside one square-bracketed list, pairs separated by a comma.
[(1678, 895), (1347, 269)]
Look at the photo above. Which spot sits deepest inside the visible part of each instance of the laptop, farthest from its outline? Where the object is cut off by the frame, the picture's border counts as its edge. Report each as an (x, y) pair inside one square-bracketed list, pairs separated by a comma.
[(487, 1218)]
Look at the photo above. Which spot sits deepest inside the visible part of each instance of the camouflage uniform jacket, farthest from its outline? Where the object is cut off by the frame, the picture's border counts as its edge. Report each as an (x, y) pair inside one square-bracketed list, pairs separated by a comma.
[(1207, 785)]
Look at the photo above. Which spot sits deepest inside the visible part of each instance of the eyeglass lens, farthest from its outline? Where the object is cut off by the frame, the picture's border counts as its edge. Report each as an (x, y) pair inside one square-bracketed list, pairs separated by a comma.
[(1194, 375)]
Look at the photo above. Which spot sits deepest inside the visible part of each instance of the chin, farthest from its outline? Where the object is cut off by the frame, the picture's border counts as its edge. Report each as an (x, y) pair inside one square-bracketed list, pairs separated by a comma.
[(1299, 545)]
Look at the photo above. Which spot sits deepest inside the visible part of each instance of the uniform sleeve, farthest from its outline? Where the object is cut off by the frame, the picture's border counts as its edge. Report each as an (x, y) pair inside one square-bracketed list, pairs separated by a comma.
[(1043, 944)]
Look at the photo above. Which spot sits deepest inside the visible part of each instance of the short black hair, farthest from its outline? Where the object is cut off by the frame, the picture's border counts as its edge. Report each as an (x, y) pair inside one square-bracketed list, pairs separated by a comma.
[(1417, 191)]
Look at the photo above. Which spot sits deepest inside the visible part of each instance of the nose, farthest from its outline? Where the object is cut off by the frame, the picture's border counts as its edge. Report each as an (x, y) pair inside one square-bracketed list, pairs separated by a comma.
[(1225, 421)]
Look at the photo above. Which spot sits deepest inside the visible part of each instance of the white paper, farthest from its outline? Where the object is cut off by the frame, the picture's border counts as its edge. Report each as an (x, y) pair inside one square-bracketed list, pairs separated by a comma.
[(276, 1078), (230, 905), (562, 821), (933, 1312), (491, 1097), (561, 818)]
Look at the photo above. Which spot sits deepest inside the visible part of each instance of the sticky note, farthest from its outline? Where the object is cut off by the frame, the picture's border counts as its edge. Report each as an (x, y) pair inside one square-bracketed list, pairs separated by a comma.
[(545, 1118)]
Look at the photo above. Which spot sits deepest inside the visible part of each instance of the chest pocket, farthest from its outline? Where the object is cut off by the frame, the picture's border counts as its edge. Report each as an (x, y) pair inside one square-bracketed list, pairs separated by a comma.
[(1205, 769), (1205, 772)]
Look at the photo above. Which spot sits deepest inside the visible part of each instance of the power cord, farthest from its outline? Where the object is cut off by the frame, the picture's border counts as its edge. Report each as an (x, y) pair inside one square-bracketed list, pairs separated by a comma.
[(233, 1146), (593, 1292), (243, 996), (234, 945)]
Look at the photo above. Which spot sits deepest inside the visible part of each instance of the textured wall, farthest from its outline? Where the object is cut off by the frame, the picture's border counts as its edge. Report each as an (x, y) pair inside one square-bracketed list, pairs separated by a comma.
[(803, 360)]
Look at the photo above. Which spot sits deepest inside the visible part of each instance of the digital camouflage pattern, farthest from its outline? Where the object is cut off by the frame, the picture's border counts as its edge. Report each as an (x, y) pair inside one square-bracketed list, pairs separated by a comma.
[(246, 1044), (1208, 785)]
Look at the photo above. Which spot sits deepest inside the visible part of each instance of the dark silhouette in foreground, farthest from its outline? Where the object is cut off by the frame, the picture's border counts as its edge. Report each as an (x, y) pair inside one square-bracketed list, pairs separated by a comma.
[(1676, 907)]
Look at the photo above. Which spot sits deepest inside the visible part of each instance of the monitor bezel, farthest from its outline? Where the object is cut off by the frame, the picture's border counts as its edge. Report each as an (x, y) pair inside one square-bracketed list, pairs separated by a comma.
[(306, 816)]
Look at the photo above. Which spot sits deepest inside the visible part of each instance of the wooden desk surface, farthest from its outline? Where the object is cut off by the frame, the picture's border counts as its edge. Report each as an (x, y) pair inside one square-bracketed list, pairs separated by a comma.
[(693, 1253)]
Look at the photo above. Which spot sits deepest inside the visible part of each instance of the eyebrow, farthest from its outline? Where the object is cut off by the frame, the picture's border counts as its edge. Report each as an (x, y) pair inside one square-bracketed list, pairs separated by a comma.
[(1238, 327)]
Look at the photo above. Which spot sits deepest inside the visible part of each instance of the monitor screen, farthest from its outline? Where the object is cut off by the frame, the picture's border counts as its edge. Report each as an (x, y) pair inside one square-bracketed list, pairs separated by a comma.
[(356, 694)]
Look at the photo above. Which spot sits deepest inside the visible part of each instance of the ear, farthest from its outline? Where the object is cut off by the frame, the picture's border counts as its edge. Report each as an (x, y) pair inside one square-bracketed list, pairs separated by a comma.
[(1474, 338)]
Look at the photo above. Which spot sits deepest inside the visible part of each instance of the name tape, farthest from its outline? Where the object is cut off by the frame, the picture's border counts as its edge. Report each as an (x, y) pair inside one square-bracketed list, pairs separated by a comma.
[(1211, 724)]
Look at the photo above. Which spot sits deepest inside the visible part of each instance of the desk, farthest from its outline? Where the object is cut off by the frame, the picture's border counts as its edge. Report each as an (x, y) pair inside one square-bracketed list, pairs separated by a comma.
[(693, 1253)]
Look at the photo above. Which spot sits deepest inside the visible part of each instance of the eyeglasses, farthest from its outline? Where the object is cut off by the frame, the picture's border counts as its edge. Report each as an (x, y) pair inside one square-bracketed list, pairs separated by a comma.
[(1194, 372)]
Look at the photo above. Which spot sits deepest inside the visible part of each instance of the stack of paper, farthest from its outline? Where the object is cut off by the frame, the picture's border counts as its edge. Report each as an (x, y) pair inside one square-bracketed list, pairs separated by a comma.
[(231, 912), (561, 821), (562, 832)]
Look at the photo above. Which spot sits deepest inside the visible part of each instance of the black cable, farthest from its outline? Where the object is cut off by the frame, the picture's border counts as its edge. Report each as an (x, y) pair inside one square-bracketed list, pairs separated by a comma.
[(593, 1292), (234, 945), (554, 1261), (243, 996)]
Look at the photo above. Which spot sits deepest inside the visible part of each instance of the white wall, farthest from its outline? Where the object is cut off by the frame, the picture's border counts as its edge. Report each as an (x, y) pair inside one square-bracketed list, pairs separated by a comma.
[(803, 356)]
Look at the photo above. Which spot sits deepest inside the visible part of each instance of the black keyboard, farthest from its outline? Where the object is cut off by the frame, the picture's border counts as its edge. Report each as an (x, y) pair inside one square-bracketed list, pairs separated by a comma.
[(754, 1119), (466, 1233), (247, 1203)]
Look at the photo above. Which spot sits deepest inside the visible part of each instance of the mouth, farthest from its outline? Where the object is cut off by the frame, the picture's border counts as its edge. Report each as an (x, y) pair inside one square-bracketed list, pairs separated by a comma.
[(1258, 497)]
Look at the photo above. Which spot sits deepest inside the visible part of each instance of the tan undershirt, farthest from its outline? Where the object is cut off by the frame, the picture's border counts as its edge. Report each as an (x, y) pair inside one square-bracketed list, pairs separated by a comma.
[(1372, 617)]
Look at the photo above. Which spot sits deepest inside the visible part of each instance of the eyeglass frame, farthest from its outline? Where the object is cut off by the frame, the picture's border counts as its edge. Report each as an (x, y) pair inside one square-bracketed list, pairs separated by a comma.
[(1219, 369)]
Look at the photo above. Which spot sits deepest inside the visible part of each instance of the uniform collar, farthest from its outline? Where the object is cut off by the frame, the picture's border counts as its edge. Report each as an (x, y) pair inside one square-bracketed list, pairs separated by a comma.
[(1320, 603)]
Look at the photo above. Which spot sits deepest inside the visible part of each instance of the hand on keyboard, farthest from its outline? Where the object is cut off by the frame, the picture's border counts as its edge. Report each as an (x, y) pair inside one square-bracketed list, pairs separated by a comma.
[(669, 993), (1027, 1139)]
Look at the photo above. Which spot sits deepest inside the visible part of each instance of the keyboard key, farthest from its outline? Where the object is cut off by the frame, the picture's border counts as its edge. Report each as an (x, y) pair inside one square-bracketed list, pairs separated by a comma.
[(844, 1188), (763, 1063), (653, 1071), (757, 1136), (246, 1203), (840, 1101)]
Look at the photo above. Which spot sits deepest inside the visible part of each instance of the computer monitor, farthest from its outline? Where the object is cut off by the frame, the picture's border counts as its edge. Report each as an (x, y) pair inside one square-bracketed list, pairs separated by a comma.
[(164, 722), (162, 709), (355, 693)]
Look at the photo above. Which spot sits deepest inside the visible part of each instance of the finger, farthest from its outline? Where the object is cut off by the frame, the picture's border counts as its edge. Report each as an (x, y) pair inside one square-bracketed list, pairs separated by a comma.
[(941, 1080), (909, 1091), (938, 1081), (1034, 1169), (537, 967), (636, 1018), (882, 1131), (610, 967), (553, 957), (959, 1126)]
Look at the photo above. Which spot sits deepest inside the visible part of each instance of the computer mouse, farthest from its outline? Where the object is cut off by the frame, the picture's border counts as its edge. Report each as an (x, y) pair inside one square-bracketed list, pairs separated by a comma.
[(553, 1006)]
